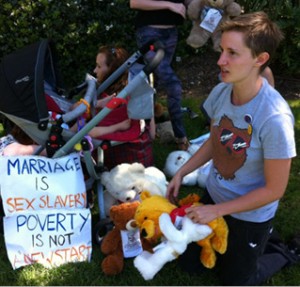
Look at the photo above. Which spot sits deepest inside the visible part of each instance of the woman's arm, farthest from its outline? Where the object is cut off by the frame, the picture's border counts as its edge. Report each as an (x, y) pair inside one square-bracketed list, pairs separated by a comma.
[(202, 156), (276, 174), (149, 5)]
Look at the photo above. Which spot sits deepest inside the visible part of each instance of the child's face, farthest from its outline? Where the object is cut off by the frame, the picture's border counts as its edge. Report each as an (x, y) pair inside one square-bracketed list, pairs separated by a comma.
[(236, 60), (101, 68)]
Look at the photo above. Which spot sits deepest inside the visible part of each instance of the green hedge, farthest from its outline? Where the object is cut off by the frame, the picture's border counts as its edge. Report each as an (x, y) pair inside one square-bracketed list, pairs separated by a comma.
[(78, 27), (287, 15)]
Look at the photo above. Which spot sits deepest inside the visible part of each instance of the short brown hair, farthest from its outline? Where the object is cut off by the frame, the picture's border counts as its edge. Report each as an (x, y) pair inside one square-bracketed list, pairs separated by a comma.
[(260, 33)]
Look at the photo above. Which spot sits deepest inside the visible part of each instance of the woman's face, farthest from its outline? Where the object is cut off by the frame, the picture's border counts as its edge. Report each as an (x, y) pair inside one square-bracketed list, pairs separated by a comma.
[(236, 61), (101, 69)]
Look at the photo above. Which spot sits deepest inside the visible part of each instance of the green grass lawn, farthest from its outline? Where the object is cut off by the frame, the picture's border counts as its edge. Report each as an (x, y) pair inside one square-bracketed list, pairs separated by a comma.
[(80, 274)]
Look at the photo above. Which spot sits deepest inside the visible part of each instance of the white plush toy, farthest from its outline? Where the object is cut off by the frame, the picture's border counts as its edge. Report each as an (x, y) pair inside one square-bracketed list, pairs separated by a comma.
[(148, 264), (125, 182), (177, 159)]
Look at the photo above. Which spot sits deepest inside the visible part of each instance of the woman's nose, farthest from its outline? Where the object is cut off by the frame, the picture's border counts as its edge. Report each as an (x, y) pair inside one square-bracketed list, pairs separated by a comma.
[(222, 59)]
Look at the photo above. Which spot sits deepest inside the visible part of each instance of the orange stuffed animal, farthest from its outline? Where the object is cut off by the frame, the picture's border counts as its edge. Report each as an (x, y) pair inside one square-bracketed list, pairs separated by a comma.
[(150, 209)]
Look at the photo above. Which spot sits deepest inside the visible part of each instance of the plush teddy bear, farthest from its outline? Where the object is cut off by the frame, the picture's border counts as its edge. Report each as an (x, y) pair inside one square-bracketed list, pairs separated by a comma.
[(123, 241), (126, 181), (161, 113), (207, 16), (176, 159), (175, 243), (164, 130), (152, 207), (165, 133)]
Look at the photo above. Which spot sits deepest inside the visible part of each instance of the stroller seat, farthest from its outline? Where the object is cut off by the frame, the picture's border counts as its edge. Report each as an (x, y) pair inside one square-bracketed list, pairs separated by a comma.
[(118, 115), (23, 101), (33, 89)]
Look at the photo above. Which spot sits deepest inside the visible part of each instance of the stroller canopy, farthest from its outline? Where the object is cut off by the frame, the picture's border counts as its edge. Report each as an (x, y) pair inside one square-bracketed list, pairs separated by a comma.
[(22, 76)]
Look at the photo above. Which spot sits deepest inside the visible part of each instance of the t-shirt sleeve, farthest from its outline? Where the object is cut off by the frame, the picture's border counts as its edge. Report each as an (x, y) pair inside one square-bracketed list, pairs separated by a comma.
[(279, 142)]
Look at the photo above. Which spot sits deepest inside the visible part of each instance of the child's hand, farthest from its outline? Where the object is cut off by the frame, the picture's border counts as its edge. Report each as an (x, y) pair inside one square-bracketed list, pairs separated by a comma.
[(102, 103)]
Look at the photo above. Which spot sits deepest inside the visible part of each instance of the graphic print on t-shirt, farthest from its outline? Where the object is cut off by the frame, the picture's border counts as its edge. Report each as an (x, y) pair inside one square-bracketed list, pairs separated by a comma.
[(229, 147)]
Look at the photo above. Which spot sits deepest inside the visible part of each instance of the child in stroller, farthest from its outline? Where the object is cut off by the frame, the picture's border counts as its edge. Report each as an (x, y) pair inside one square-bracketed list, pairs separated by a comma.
[(117, 126), (23, 98), (108, 60), (137, 140)]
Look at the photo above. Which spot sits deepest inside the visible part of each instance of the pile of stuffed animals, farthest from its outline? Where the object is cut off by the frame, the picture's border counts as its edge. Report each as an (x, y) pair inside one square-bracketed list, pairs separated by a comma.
[(148, 227), (125, 182), (178, 158)]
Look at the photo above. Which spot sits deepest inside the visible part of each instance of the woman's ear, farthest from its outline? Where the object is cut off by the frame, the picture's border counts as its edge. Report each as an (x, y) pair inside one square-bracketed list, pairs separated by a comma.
[(262, 58)]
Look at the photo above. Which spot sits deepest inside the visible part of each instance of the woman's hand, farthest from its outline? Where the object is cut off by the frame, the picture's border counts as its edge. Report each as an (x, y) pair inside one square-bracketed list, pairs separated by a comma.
[(179, 9), (173, 188), (202, 214)]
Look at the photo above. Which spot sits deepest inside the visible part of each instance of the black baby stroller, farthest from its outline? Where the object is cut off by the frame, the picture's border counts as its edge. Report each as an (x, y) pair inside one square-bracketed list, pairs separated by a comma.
[(27, 91)]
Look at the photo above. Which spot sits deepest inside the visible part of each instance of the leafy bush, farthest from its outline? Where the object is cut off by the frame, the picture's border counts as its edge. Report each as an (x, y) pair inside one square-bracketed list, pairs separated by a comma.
[(287, 15), (78, 27)]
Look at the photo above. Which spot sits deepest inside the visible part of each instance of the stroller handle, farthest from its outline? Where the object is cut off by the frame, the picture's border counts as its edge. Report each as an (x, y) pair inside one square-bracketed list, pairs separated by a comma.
[(89, 97), (132, 85), (154, 46), (90, 81), (150, 67), (157, 47), (151, 46)]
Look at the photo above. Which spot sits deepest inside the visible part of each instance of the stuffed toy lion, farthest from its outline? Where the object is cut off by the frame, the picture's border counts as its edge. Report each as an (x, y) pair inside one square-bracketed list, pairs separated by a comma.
[(175, 243), (152, 207), (207, 15)]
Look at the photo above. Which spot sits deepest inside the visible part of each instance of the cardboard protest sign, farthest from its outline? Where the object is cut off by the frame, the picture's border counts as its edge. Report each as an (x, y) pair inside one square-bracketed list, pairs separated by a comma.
[(51, 237), (30, 183), (45, 203)]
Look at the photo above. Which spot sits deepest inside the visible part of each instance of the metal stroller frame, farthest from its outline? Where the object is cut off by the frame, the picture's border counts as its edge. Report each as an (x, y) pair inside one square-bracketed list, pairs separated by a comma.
[(37, 126)]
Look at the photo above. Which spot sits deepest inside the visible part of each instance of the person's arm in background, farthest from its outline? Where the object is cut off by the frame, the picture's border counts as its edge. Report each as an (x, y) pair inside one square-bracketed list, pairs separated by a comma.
[(15, 149), (187, 2), (100, 131), (268, 74), (103, 102), (178, 8)]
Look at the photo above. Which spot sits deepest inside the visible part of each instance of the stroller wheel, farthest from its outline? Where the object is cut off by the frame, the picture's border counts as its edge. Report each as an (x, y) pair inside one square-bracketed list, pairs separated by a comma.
[(101, 229)]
